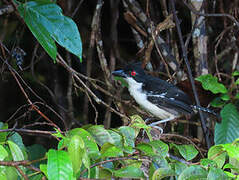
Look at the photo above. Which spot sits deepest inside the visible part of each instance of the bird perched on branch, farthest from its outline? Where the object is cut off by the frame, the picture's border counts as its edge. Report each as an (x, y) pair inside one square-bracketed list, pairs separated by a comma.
[(160, 98)]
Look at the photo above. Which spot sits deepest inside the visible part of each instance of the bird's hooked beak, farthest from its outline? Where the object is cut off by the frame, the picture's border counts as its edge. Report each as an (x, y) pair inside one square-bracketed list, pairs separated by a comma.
[(119, 73)]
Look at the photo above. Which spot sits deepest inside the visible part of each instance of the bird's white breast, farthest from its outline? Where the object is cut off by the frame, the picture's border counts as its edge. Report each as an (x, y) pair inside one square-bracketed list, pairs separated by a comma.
[(135, 90)]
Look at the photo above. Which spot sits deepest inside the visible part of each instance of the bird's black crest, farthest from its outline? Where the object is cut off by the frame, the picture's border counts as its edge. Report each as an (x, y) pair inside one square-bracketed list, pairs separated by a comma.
[(137, 67)]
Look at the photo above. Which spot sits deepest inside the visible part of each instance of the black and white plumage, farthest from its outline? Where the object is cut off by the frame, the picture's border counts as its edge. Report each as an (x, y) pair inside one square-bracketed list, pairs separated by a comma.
[(160, 98)]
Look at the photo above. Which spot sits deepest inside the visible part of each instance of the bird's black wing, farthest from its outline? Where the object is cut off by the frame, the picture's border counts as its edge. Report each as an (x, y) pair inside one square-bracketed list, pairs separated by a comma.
[(167, 95)]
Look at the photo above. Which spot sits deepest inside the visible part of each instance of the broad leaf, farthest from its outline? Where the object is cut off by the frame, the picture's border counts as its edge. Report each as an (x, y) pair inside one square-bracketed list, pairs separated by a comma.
[(228, 130), (89, 141), (75, 151), (3, 153), (187, 151), (210, 83), (59, 166), (193, 172), (232, 150), (160, 147), (216, 174), (100, 134), (217, 154), (163, 172), (146, 149), (110, 150), (48, 24), (129, 172)]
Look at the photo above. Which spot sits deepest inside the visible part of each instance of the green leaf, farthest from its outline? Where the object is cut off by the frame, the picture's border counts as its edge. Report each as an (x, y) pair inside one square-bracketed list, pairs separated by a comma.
[(146, 148), (193, 172), (179, 167), (3, 135), (11, 173), (17, 139), (218, 102), (110, 150), (3, 176), (43, 168), (207, 162), (231, 167), (237, 81), (232, 150), (105, 173), (160, 147), (3, 153), (217, 154), (128, 135), (75, 151), (225, 97), (118, 139), (228, 130), (235, 73), (89, 141), (129, 172), (48, 24), (138, 123), (100, 134), (211, 83), (59, 165), (216, 174), (36, 151), (187, 151), (160, 162), (86, 162), (16, 152), (161, 173)]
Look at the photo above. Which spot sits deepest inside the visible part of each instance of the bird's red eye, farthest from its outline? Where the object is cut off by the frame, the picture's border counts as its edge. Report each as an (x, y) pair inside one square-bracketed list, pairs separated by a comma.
[(133, 73)]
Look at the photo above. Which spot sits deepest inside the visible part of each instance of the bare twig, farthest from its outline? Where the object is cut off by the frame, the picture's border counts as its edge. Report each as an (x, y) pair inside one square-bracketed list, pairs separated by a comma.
[(212, 15)]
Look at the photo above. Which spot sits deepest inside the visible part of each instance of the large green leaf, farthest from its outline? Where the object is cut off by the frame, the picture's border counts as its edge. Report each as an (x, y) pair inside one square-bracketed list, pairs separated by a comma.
[(17, 139), (110, 150), (89, 141), (17, 153), (129, 172), (232, 150), (218, 155), (59, 166), (160, 147), (48, 24), (211, 83), (3, 153), (100, 134), (128, 135), (187, 151), (216, 174), (75, 151), (193, 172), (160, 173), (146, 148), (228, 130)]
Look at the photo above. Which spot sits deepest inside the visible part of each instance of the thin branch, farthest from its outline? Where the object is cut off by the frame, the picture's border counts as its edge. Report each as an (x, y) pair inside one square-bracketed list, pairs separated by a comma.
[(203, 123)]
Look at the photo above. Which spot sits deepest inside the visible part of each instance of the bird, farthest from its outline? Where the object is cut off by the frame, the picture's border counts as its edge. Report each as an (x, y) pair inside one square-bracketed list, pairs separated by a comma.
[(160, 98)]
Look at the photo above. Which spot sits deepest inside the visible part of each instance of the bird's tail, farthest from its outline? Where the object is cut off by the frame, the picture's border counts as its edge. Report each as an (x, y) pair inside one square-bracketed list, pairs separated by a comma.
[(207, 111)]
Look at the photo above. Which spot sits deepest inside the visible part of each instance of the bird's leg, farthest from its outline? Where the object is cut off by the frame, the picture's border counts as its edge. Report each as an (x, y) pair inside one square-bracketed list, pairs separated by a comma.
[(154, 124)]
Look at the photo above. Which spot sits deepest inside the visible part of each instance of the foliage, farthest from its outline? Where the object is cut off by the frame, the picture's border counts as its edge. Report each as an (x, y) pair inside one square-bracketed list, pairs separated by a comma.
[(81, 153), (48, 24), (228, 130)]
